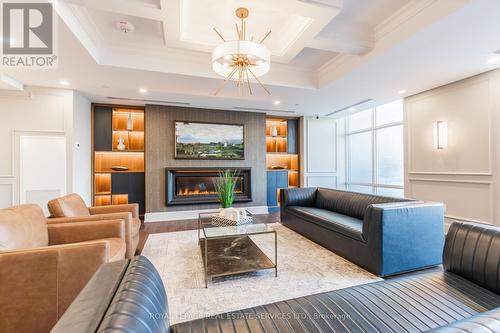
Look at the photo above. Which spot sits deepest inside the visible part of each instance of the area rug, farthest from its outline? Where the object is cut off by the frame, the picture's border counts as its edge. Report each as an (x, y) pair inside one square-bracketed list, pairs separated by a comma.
[(304, 268)]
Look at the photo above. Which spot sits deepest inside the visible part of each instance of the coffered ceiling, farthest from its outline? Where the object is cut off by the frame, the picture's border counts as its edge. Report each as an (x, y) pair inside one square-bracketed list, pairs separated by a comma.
[(177, 36), (326, 54)]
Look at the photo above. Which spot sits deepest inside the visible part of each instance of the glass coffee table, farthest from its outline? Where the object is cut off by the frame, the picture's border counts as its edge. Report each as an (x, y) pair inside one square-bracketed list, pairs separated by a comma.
[(230, 250)]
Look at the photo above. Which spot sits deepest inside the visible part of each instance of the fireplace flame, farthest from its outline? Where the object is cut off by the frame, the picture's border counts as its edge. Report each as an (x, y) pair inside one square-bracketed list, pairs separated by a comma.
[(187, 192)]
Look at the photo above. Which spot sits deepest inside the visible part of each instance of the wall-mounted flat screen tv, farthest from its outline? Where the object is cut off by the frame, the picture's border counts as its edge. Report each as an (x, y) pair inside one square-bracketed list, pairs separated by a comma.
[(209, 141)]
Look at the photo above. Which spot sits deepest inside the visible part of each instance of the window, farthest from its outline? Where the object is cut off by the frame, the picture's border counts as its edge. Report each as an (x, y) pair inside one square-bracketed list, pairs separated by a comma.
[(375, 150)]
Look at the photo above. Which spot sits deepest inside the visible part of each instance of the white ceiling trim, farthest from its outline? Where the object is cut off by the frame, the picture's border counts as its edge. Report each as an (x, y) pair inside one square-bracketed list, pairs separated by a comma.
[(410, 19)]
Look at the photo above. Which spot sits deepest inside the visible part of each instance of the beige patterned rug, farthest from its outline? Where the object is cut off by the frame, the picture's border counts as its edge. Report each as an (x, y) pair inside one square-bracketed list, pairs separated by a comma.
[(304, 268)]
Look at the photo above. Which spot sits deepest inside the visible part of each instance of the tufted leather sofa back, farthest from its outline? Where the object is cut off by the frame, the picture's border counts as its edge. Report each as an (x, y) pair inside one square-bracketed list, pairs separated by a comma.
[(122, 296), (349, 203), (22, 227), (140, 303), (71, 205), (473, 252)]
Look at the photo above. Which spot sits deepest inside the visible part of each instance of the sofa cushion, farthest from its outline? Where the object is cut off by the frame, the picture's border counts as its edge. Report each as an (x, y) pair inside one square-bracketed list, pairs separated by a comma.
[(23, 227), (346, 225), (349, 203), (408, 304), (71, 205)]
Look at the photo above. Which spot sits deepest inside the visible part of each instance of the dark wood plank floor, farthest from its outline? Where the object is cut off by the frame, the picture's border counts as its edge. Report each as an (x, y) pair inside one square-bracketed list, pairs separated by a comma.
[(181, 225)]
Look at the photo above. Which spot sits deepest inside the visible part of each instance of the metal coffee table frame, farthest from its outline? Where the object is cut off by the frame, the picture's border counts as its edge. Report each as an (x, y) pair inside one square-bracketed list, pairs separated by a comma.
[(251, 259)]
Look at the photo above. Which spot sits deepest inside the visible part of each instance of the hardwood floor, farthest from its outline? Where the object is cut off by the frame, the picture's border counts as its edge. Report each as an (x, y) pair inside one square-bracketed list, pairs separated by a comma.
[(172, 226)]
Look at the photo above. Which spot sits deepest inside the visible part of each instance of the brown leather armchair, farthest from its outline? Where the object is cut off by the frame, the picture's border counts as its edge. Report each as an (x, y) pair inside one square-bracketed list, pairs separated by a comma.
[(72, 205), (44, 266)]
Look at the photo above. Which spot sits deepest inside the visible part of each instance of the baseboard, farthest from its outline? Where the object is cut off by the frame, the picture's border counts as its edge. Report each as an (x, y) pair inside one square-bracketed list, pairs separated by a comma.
[(192, 214)]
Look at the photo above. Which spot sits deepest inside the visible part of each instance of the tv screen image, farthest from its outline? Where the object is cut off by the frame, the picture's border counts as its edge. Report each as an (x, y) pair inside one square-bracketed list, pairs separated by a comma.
[(209, 141)]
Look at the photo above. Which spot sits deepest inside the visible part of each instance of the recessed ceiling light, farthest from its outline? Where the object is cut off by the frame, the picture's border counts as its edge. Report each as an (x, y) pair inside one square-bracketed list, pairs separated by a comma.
[(352, 108), (493, 59), (401, 91), (64, 83), (143, 90), (276, 102)]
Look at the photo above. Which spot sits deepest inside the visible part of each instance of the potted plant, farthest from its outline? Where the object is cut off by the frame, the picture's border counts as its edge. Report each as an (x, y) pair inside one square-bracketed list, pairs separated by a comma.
[(224, 185)]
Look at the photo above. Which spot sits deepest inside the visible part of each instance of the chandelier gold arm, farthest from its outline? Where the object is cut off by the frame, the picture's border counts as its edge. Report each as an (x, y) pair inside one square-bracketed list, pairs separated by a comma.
[(256, 78), (238, 31), (248, 80), (226, 80), (219, 35), (263, 39)]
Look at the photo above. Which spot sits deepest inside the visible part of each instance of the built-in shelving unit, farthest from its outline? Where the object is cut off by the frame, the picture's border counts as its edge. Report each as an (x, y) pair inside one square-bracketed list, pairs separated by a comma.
[(282, 157), (118, 155)]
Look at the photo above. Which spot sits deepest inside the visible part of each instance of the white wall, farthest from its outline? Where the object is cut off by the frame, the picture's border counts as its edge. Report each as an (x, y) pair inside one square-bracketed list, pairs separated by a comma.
[(37, 112), (82, 164), (323, 153), (466, 174)]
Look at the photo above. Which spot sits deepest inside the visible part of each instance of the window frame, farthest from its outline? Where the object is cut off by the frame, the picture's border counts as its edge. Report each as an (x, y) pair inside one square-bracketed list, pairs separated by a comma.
[(373, 131)]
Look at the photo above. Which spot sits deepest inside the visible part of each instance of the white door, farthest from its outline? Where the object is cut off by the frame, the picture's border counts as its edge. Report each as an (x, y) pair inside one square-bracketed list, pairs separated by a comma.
[(42, 168)]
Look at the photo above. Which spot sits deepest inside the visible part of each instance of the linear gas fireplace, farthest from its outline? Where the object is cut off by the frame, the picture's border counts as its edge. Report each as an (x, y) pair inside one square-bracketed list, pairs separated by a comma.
[(196, 185)]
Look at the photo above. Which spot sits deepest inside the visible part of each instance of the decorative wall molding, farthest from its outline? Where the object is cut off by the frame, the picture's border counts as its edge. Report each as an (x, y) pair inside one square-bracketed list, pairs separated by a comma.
[(9, 183), (484, 183), (193, 214), (309, 168), (464, 219), (453, 87), (441, 180), (450, 173), (310, 178)]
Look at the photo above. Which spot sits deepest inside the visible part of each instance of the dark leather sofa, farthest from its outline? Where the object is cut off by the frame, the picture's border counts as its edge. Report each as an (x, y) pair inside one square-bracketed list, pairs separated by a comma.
[(128, 296), (384, 235)]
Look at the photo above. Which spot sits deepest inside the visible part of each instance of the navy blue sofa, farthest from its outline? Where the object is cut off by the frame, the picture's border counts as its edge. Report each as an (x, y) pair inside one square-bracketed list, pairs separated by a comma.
[(384, 235)]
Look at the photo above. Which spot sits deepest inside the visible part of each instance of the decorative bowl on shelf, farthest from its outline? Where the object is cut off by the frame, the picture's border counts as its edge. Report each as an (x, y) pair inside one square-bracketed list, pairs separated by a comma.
[(279, 167), (119, 168)]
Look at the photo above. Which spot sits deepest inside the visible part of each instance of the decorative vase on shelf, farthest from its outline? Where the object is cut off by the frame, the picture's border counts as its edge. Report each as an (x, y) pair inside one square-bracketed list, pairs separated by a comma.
[(274, 134), (130, 123), (121, 143)]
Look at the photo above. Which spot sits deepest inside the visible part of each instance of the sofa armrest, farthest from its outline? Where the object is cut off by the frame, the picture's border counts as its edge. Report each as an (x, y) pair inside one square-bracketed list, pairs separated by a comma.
[(483, 322), (130, 208), (302, 196), (37, 285), (66, 233), (405, 235), (472, 250)]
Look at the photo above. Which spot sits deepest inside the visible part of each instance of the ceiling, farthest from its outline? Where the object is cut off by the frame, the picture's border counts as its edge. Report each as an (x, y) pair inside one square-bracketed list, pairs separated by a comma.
[(326, 54)]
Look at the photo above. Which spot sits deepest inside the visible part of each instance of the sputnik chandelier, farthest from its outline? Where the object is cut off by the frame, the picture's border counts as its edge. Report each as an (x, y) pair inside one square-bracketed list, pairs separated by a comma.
[(241, 60)]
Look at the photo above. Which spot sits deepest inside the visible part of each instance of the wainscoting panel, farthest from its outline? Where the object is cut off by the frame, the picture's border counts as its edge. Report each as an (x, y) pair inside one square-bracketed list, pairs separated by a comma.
[(160, 147), (42, 168), (323, 147), (466, 108), (465, 174), (321, 153), (6, 191), (322, 181), (464, 200)]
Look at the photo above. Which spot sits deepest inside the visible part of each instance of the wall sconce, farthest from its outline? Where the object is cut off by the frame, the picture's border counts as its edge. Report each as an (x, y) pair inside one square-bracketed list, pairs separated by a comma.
[(440, 132)]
